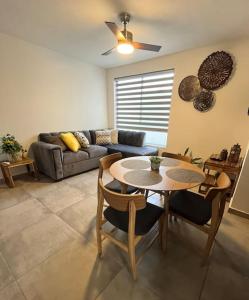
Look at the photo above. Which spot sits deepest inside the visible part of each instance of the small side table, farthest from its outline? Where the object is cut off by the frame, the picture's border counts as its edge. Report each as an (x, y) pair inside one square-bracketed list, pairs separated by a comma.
[(6, 169), (231, 169)]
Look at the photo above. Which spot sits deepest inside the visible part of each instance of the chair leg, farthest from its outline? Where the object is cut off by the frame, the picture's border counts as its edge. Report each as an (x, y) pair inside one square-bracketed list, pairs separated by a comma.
[(162, 233), (132, 256), (99, 241), (166, 220), (209, 245)]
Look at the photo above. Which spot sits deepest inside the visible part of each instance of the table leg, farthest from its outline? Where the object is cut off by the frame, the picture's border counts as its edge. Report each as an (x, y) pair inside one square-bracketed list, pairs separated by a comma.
[(8, 177), (36, 172), (28, 168), (166, 222)]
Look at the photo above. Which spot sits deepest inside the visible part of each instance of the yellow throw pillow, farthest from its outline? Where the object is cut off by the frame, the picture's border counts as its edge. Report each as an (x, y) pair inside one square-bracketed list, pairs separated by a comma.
[(70, 140)]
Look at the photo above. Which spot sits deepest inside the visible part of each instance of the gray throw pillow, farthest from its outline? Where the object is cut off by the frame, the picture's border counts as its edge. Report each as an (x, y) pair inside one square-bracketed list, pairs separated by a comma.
[(55, 140)]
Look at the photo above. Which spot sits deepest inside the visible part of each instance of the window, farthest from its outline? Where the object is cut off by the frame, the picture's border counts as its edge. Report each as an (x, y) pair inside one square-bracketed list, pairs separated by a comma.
[(143, 103)]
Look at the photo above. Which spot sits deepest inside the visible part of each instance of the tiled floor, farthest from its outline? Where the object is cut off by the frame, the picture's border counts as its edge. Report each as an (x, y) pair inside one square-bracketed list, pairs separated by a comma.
[(48, 251)]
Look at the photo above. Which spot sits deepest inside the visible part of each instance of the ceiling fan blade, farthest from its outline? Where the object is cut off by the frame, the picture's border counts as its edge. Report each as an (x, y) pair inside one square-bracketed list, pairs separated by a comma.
[(114, 28), (108, 52), (148, 47)]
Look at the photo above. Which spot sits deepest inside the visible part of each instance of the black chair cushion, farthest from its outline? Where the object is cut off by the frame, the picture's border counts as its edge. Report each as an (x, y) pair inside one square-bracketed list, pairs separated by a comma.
[(115, 186), (145, 218), (191, 206)]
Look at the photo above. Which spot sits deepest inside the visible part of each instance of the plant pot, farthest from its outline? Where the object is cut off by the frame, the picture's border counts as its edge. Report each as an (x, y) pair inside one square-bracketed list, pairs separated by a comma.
[(13, 157), (155, 166)]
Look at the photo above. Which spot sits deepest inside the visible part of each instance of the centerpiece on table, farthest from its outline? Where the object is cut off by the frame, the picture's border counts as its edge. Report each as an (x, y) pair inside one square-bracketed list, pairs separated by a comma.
[(11, 147), (155, 162)]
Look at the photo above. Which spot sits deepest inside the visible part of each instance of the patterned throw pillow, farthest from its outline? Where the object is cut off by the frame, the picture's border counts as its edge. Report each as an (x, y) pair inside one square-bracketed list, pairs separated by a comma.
[(114, 136), (103, 137), (84, 143)]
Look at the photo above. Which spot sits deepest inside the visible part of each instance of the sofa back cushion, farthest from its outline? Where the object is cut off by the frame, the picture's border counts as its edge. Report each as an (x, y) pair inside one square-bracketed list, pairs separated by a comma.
[(55, 140), (132, 138), (42, 136)]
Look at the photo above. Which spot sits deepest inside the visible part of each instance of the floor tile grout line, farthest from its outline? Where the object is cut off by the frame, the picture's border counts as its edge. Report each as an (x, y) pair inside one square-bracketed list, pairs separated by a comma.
[(9, 269), (24, 228), (14, 281), (59, 211), (1, 209), (36, 222), (79, 236), (104, 288), (20, 288), (45, 259), (14, 276)]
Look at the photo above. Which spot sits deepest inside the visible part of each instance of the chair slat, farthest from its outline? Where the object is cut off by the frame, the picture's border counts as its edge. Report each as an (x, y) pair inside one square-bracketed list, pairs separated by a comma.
[(121, 201)]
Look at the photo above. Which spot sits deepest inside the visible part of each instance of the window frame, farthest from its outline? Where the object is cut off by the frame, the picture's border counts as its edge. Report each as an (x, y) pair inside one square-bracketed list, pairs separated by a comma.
[(165, 100)]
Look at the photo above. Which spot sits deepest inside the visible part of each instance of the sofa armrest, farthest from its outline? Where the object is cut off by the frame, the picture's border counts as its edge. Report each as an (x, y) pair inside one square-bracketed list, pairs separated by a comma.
[(48, 158)]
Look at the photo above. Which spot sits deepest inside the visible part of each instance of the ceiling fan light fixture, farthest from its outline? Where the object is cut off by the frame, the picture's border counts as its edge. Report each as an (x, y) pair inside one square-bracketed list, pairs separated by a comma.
[(125, 48)]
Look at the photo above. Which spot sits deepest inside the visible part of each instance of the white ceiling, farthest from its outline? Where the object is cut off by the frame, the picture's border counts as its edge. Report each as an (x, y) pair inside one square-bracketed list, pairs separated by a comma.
[(76, 27)]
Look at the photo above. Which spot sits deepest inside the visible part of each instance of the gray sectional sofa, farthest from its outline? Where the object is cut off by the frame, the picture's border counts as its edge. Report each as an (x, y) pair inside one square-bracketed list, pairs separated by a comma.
[(55, 163)]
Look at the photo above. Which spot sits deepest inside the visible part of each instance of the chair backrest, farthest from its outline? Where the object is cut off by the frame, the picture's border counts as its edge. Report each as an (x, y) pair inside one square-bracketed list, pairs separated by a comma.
[(216, 195), (223, 182), (121, 201), (106, 161), (177, 156)]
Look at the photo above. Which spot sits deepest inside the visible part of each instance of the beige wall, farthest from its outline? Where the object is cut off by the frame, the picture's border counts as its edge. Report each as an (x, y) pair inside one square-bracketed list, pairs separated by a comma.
[(227, 123), (240, 200), (42, 91)]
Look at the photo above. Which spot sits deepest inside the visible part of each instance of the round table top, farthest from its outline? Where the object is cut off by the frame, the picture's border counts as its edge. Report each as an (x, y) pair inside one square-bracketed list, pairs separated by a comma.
[(173, 174)]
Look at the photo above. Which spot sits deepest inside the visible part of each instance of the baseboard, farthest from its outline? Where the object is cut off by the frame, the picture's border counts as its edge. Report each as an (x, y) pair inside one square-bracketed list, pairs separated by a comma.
[(238, 213)]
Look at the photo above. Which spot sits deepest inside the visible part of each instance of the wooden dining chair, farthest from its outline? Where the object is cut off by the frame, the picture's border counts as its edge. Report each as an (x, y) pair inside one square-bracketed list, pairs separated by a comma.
[(203, 212), (177, 156), (131, 214), (115, 186)]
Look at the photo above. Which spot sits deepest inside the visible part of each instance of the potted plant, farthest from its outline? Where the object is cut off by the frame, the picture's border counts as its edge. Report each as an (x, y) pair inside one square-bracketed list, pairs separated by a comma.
[(155, 162), (194, 160), (11, 147)]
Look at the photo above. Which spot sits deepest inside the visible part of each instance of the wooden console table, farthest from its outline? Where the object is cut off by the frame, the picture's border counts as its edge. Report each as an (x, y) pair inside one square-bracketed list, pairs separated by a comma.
[(231, 169), (6, 168)]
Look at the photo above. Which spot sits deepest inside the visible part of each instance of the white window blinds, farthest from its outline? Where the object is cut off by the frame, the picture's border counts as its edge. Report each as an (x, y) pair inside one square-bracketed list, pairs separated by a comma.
[(143, 101)]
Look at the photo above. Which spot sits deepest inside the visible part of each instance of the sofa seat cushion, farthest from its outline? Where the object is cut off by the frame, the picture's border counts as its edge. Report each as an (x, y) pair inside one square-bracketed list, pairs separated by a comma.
[(145, 218), (95, 151), (128, 150), (70, 157), (191, 206)]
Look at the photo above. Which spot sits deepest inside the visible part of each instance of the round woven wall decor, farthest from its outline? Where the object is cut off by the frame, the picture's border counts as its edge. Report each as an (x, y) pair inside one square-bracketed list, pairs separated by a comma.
[(204, 101), (215, 70), (189, 88)]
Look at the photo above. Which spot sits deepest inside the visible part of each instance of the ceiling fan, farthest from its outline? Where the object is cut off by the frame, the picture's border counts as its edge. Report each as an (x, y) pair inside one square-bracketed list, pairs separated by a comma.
[(126, 44)]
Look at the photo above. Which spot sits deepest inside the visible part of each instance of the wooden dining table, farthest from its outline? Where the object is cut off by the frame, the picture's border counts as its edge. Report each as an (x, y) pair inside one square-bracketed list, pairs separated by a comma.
[(173, 175)]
